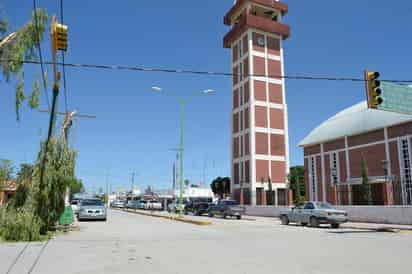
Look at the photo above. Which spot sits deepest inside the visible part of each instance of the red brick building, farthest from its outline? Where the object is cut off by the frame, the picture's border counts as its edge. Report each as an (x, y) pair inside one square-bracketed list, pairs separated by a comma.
[(7, 191), (260, 150), (334, 150)]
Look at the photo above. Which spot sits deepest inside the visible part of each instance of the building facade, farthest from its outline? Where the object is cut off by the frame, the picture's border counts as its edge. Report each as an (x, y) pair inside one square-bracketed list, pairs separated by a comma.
[(333, 155), (260, 149), (7, 191)]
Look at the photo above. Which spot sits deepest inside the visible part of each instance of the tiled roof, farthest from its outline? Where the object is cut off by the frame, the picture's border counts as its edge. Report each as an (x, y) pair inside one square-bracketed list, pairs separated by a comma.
[(10, 186)]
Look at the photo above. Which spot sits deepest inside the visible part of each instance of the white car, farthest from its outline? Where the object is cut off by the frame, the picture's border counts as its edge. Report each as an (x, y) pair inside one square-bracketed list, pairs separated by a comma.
[(75, 204), (153, 205)]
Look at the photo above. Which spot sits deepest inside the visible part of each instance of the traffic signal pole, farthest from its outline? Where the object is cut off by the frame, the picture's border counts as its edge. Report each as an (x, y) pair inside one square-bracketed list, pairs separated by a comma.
[(54, 99)]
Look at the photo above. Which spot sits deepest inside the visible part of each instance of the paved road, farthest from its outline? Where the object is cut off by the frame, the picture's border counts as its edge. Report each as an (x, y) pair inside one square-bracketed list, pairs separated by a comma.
[(130, 243)]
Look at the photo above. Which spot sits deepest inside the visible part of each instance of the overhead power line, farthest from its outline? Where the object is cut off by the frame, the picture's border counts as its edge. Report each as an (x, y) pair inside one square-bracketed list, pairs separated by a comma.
[(207, 73), (36, 23)]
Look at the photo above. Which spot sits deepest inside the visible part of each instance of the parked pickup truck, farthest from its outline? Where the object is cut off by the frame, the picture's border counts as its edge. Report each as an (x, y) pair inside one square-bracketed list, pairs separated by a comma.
[(197, 208), (226, 208), (314, 213)]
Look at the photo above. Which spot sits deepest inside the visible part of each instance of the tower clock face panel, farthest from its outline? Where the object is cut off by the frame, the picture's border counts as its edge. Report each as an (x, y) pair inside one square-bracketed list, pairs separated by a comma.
[(261, 41)]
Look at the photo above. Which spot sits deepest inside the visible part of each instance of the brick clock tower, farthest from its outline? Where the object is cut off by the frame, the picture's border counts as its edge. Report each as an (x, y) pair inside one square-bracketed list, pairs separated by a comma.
[(260, 149)]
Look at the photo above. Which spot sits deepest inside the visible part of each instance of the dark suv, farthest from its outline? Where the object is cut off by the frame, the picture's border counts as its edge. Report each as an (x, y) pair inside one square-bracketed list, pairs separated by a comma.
[(226, 208), (198, 207)]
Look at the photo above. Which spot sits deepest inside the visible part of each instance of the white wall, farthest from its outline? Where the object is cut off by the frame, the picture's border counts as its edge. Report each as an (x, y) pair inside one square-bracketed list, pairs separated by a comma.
[(380, 214), (371, 214)]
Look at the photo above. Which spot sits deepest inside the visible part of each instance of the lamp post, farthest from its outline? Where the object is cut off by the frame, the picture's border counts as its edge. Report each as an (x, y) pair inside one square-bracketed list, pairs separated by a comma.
[(182, 101)]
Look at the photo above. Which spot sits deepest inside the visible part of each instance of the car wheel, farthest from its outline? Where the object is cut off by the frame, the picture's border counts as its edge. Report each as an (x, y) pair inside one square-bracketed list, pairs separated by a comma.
[(196, 213), (335, 226), (284, 219), (314, 222), (224, 216), (304, 224), (210, 214), (239, 217)]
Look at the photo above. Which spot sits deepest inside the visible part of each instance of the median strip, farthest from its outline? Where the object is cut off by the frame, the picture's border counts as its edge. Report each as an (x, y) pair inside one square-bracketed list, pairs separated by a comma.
[(170, 217)]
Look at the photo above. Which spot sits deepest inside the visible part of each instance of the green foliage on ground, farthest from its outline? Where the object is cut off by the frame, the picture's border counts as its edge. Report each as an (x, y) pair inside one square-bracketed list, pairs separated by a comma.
[(19, 224), (58, 171), (38, 204)]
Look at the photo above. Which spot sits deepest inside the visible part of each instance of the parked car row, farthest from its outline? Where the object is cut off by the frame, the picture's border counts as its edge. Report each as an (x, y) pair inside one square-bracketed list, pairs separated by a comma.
[(311, 213), (223, 208), (144, 204), (118, 204)]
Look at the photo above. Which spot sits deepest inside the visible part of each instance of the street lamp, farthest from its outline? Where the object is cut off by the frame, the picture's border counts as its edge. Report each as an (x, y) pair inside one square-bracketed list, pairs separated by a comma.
[(182, 101)]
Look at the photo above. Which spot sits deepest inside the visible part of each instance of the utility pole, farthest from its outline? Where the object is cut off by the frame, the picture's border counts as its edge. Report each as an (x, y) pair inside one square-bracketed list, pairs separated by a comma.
[(132, 186), (182, 121), (58, 39), (107, 187)]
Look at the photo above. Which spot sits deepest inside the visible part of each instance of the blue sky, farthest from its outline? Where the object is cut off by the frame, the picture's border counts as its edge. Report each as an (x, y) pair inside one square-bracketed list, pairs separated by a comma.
[(136, 129)]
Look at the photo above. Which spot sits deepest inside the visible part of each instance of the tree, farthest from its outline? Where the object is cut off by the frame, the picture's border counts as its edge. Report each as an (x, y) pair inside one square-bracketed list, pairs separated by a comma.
[(226, 186), (221, 186), (18, 46), (270, 197), (296, 180), (6, 170), (75, 186), (366, 189), (23, 180), (49, 193)]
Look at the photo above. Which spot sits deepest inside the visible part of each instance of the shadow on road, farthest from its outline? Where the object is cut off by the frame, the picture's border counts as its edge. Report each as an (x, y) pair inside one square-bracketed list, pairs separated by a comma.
[(354, 232)]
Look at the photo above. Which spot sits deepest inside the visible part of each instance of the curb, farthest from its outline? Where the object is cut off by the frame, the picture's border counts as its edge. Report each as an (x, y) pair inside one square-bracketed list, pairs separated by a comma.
[(173, 218), (380, 229)]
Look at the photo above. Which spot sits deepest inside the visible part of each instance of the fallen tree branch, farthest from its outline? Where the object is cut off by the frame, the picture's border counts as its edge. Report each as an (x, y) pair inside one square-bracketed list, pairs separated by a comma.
[(9, 38)]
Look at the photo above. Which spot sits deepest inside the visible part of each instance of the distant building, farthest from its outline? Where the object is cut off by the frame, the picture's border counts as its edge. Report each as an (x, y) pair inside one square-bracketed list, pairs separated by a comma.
[(333, 153), (7, 191)]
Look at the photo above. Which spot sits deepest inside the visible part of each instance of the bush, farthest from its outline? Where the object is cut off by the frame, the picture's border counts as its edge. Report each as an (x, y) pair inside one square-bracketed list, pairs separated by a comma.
[(19, 224)]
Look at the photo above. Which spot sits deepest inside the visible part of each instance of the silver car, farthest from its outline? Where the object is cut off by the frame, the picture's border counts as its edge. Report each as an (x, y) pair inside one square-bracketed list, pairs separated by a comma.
[(92, 209), (314, 213)]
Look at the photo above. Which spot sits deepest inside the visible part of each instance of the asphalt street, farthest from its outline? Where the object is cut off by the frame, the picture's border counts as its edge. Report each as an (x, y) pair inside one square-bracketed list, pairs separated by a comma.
[(129, 243)]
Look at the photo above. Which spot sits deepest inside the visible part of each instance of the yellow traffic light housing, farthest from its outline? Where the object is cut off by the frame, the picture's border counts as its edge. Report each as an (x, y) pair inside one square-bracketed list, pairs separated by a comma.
[(373, 89), (59, 36)]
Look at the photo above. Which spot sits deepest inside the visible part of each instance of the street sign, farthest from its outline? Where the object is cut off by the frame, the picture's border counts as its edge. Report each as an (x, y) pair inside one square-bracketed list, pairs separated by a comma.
[(396, 98)]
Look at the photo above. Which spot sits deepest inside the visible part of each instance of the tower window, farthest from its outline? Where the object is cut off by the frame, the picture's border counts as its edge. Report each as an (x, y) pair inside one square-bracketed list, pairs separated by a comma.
[(241, 76), (313, 178), (240, 49), (334, 167)]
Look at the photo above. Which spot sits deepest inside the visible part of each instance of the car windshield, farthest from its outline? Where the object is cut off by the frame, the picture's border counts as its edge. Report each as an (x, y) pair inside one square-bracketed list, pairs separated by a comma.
[(92, 203), (324, 205)]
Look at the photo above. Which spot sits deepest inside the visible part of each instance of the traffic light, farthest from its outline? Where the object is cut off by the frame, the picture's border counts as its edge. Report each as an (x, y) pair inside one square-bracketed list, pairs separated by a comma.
[(59, 34), (373, 89)]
